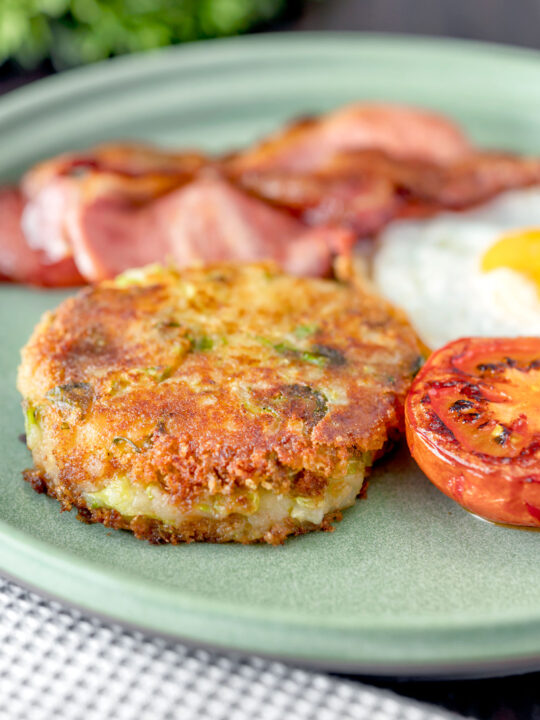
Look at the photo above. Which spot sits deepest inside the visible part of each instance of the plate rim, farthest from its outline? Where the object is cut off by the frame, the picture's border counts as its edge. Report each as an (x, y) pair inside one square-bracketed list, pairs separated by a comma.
[(55, 88), (66, 82), (416, 671)]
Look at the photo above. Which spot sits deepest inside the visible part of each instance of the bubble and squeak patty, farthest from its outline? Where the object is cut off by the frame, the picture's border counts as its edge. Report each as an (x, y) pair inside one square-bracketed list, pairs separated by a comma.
[(226, 403)]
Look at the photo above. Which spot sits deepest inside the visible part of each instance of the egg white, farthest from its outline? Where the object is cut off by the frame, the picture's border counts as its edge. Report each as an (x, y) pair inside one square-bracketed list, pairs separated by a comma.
[(432, 269)]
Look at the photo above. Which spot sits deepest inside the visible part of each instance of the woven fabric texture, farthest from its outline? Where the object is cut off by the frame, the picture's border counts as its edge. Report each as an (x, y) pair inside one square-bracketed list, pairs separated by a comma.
[(59, 664)]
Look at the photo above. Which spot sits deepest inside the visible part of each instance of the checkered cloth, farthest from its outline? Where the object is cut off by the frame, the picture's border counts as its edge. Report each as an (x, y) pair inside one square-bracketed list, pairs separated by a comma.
[(57, 663)]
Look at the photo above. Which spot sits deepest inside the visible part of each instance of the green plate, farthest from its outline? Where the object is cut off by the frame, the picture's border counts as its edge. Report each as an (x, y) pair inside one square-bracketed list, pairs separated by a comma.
[(408, 583)]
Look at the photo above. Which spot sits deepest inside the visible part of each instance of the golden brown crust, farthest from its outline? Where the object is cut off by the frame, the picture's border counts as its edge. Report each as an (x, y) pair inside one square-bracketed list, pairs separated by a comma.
[(126, 359), (216, 380), (231, 529)]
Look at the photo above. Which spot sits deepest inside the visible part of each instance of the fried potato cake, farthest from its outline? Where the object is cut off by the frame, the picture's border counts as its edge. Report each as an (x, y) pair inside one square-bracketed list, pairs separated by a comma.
[(226, 403)]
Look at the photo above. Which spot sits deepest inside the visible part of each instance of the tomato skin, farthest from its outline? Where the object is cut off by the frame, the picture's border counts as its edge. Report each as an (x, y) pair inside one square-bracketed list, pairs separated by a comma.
[(453, 450)]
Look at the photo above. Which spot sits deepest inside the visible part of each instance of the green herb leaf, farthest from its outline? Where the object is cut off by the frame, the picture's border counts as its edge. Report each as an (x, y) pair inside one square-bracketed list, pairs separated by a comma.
[(303, 331), (158, 373), (297, 400), (32, 416), (72, 396), (331, 354), (120, 440), (320, 355), (202, 343)]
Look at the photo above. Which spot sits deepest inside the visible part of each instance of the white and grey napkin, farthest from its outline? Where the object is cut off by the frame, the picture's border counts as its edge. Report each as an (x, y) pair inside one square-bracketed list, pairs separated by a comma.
[(56, 663)]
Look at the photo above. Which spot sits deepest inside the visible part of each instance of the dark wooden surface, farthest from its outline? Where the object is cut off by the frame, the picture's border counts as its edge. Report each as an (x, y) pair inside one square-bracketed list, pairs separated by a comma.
[(515, 22)]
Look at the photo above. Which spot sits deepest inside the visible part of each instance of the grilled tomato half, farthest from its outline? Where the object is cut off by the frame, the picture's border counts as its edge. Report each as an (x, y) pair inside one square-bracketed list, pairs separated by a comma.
[(473, 426)]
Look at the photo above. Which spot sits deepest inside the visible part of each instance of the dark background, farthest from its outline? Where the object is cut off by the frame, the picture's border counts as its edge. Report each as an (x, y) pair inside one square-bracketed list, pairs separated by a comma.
[(515, 22), (508, 21)]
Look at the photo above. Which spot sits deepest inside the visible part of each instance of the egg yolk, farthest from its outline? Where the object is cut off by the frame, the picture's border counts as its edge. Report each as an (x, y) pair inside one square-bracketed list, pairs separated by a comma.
[(519, 251)]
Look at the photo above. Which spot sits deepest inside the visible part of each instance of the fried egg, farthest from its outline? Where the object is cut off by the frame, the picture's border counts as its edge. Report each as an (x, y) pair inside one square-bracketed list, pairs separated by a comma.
[(468, 273)]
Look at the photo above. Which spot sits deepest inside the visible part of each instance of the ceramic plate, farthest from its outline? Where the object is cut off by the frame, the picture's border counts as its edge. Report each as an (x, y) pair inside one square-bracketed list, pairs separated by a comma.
[(408, 583)]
